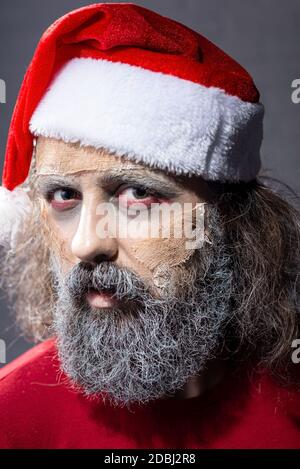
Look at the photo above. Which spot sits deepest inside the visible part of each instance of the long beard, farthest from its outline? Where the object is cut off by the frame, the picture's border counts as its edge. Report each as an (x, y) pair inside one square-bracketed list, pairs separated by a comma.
[(148, 347)]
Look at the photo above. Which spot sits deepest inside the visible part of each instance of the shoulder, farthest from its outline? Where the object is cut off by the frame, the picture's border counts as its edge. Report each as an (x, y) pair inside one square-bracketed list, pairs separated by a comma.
[(271, 414), (34, 356), (31, 364), (28, 391)]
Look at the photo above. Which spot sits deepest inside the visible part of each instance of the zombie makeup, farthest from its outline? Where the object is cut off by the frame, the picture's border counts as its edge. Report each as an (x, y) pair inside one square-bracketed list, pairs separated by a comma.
[(95, 178)]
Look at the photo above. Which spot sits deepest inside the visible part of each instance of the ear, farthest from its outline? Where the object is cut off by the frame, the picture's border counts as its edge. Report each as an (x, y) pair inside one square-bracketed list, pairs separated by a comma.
[(15, 205)]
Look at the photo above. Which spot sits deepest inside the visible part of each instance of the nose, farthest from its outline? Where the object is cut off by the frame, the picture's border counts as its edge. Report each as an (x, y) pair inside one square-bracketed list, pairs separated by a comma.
[(87, 245)]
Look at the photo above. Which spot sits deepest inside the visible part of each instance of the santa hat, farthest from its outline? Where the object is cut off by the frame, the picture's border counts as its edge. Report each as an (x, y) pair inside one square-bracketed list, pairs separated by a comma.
[(121, 77)]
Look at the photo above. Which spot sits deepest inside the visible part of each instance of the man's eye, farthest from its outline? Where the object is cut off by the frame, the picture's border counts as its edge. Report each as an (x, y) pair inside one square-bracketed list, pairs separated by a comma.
[(136, 195), (63, 195), (63, 199)]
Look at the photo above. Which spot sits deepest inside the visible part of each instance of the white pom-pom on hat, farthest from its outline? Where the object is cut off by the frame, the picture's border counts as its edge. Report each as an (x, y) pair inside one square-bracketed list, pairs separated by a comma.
[(15, 206)]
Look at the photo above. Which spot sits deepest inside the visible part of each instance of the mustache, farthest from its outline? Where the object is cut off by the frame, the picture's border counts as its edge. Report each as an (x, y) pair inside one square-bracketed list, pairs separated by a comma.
[(105, 277)]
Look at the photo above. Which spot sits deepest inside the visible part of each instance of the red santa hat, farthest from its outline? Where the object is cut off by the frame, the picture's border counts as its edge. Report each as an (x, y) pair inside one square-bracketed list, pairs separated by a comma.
[(121, 77)]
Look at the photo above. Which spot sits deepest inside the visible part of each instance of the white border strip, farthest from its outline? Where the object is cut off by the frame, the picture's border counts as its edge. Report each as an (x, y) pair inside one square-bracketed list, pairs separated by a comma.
[(161, 120)]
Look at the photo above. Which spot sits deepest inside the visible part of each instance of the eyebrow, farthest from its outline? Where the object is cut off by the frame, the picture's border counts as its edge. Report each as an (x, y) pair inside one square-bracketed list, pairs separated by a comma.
[(151, 181), (47, 183), (168, 188)]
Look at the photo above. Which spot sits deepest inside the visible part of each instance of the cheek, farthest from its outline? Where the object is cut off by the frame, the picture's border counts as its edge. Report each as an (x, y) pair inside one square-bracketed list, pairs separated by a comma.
[(59, 234), (157, 254)]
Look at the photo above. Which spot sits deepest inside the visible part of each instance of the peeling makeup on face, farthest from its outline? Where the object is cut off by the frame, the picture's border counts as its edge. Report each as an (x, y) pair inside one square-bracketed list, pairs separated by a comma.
[(156, 259), (164, 256)]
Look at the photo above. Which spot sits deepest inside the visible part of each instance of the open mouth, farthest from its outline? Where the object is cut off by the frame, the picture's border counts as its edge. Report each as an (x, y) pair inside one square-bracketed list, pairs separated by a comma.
[(101, 299)]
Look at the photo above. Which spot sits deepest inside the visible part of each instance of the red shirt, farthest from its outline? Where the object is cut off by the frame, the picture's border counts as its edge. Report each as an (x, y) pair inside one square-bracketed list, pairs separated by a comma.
[(39, 409)]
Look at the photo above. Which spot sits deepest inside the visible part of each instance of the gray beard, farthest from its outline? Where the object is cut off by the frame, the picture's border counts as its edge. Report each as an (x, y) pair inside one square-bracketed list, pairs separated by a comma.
[(148, 347)]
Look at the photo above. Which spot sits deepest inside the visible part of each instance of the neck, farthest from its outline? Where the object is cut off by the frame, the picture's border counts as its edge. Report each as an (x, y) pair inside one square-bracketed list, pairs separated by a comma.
[(208, 379)]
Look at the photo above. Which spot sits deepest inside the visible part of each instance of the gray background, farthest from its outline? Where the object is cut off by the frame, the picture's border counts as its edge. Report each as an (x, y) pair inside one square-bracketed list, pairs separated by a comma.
[(263, 35)]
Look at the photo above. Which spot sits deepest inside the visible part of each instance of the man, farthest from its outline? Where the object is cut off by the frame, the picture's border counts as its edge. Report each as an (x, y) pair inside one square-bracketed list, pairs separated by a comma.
[(128, 121)]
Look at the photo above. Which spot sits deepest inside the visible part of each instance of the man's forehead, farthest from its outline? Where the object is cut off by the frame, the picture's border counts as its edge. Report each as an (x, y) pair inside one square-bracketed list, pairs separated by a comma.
[(57, 157)]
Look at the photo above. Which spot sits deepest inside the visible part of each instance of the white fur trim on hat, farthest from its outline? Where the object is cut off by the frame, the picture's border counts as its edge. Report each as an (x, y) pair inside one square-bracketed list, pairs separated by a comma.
[(155, 118)]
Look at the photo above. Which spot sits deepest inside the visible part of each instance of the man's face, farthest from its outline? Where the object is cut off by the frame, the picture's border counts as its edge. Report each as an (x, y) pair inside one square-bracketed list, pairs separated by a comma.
[(80, 185), (136, 315)]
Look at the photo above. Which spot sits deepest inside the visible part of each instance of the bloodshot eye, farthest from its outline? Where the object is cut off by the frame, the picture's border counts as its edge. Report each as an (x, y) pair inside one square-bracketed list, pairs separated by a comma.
[(64, 199), (136, 195)]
